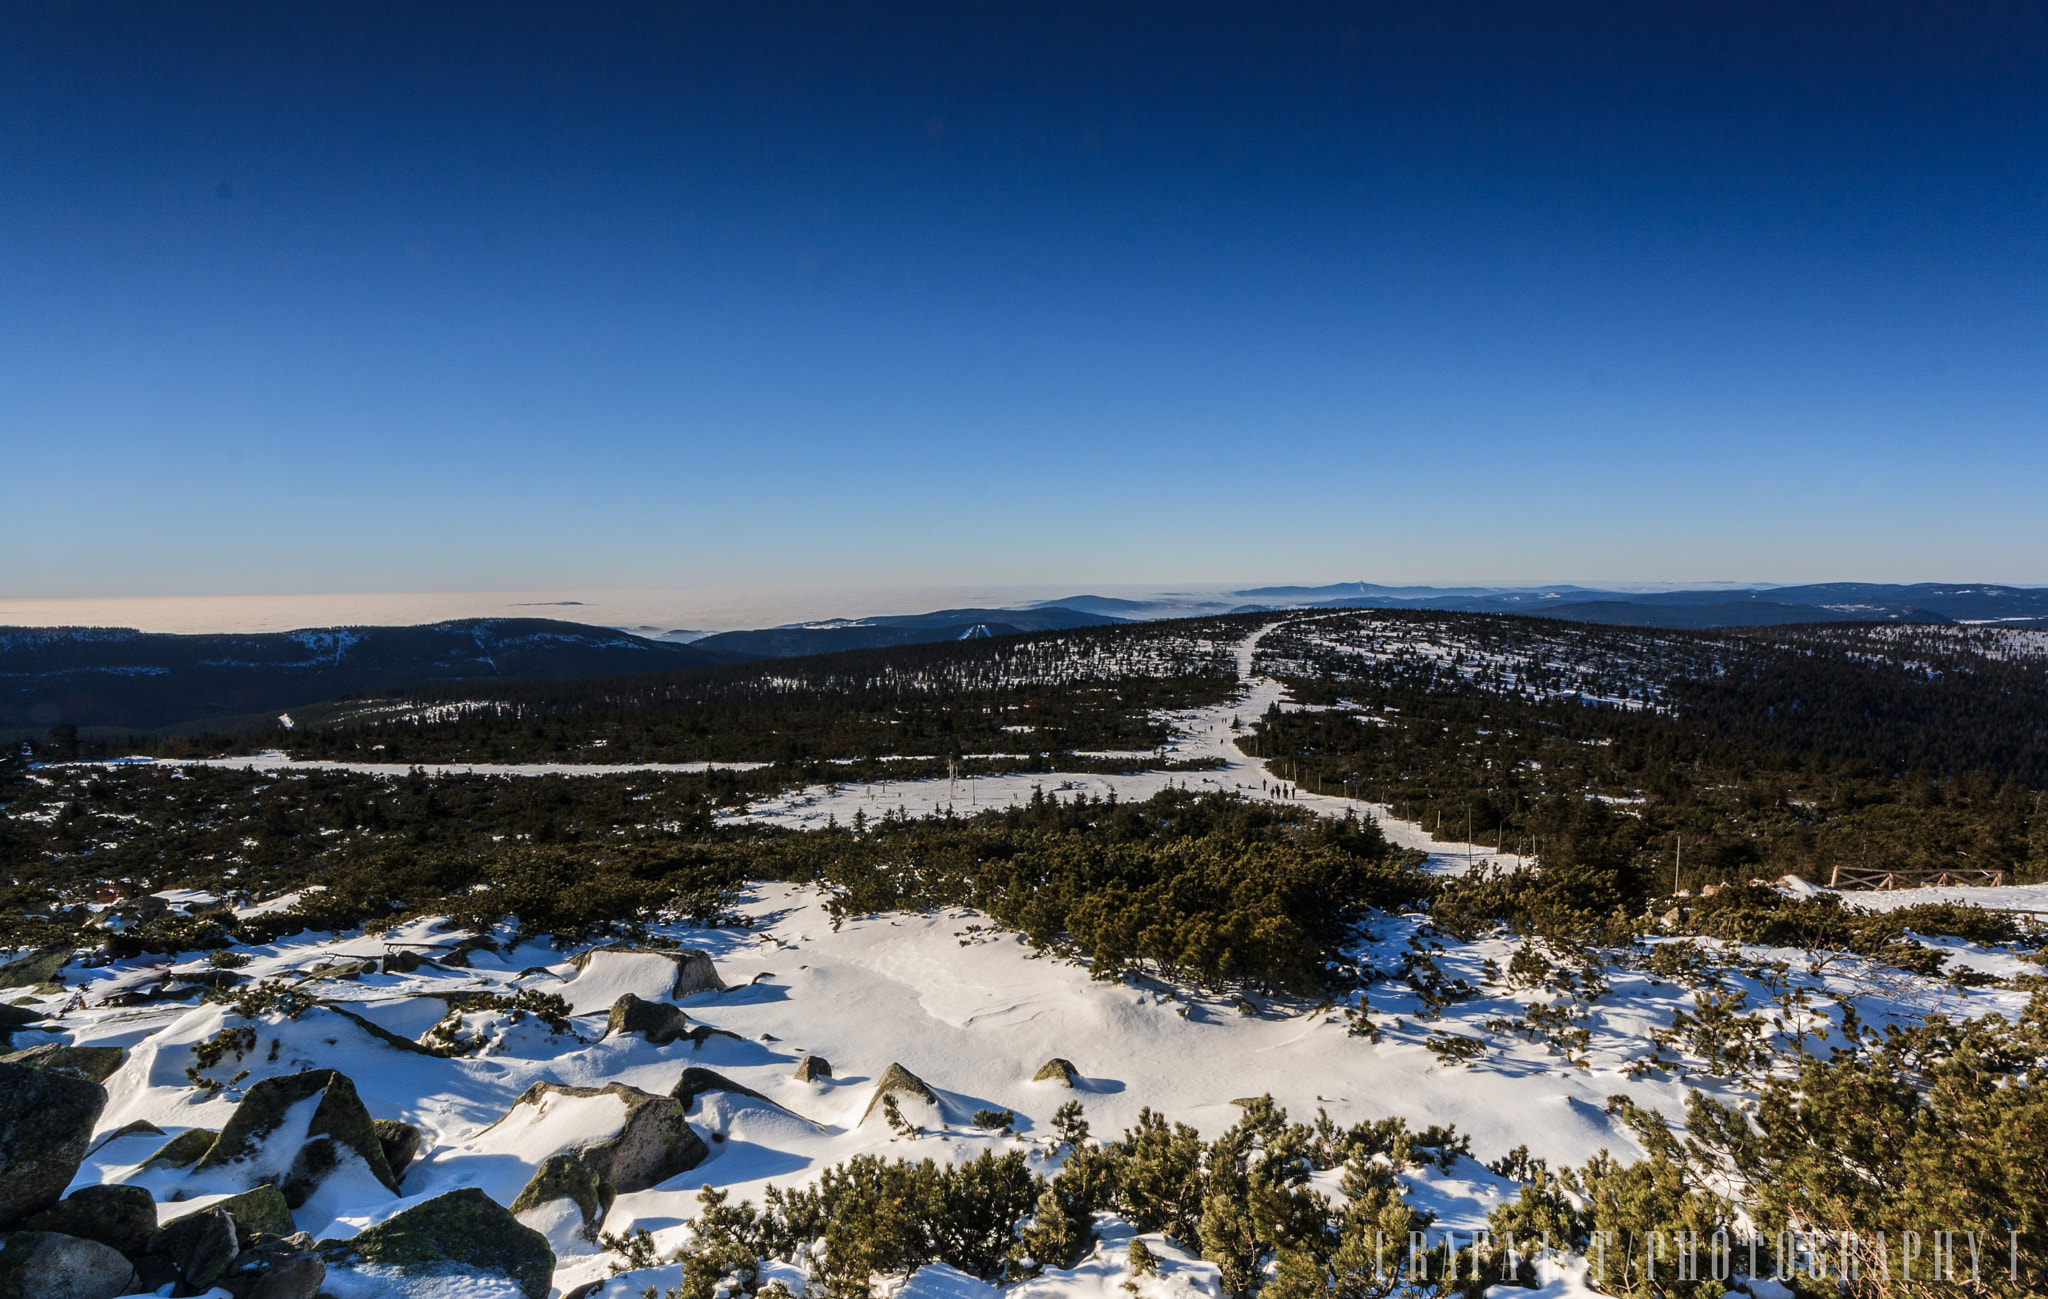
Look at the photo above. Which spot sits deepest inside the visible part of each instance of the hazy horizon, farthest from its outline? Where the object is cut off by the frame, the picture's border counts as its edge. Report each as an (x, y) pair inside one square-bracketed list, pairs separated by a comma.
[(713, 610)]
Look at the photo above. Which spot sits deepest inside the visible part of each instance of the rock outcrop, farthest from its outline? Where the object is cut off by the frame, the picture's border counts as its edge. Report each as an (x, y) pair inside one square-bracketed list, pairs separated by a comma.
[(462, 1233), (696, 1081), (278, 1269), (657, 1021), (202, 1246), (13, 1017), (138, 1128), (350, 970), (458, 956), (259, 1211), (46, 1122), (563, 1179), (183, 1150), (339, 1127), (903, 1085), (694, 969), (36, 969), (95, 1063), (813, 1067), (401, 1142), (1058, 1071), (46, 1265), (653, 1143), (120, 1217)]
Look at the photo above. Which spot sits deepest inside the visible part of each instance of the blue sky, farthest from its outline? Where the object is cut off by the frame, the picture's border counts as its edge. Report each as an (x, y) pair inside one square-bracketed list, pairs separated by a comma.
[(363, 297)]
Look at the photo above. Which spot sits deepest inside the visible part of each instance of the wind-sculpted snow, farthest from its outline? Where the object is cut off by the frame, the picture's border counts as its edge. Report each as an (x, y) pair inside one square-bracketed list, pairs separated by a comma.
[(965, 1008)]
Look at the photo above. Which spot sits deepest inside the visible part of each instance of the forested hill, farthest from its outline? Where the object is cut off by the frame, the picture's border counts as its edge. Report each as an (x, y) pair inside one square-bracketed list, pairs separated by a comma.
[(117, 677), (1941, 699), (112, 678), (988, 694), (906, 629), (1827, 602)]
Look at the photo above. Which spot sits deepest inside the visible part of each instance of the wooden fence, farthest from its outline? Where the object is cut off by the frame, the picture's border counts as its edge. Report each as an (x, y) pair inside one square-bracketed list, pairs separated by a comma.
[(1877, 877)]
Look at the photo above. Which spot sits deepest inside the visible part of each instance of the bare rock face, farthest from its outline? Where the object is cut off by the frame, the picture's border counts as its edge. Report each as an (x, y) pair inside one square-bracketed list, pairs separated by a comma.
[(139, 1128), (97, 1063), (1058, 1071), (657, 1021), (654, 1142), (201, 1246), (14, 1019), (277, 1269), (813, 1067), (121, 1217), (696, 1081), (46, 1265), (261, 1210), (183, 1150), (37, 969), (401, 1142), (340, 1126), (462, 1233), (46, 1122), (298, 1277), (694, 970), (564, 1179), (903, 1085)]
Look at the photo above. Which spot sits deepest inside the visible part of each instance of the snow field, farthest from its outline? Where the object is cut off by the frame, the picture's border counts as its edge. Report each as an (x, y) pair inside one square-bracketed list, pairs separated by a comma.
[(971, 1011)]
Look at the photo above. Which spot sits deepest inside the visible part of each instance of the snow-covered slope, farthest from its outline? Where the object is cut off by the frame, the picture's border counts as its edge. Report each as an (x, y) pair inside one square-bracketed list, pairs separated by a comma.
[(969, 1010), (964, 1007)]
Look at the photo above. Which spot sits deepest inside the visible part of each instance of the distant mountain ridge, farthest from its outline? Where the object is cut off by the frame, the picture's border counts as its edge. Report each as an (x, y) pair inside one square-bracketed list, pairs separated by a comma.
[(1936, 602), (119, 677), (899, 629), (98, 677)]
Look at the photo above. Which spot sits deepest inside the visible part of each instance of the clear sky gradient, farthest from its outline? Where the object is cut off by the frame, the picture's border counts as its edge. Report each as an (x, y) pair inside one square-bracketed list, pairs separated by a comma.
[(359, 297)]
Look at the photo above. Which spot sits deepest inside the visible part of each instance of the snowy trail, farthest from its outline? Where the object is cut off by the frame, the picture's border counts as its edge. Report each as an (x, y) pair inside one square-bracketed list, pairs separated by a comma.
[(1202, 733), (1199, 734)]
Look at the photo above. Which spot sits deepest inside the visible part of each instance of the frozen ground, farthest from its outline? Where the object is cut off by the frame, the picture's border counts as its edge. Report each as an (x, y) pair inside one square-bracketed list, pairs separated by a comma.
[(967, 1009), (971, 1011)]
